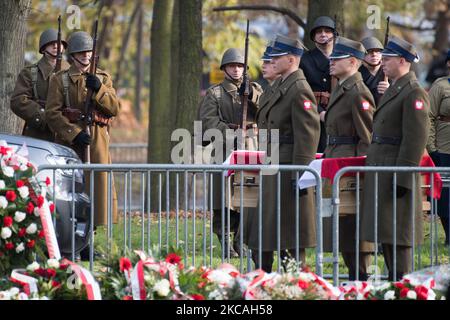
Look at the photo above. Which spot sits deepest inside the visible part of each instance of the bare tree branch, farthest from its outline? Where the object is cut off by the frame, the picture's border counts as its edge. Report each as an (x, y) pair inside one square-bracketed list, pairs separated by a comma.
[(414, 28), (284, 11)]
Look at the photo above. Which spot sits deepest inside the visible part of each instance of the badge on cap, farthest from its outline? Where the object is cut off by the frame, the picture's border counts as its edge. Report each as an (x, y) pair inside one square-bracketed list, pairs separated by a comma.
[(365, 105), (307, 104), (419, 105)]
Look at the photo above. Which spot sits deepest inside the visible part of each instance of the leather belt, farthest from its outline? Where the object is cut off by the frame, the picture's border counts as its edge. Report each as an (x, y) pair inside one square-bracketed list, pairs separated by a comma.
[(386, 140), (322, 97), (341, 140), (286, 139), (444, 118)]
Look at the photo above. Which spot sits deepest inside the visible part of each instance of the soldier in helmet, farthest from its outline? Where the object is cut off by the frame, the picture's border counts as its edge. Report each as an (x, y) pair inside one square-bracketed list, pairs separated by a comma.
[(438, 142), (221, 109), (316, 67), (65, 113), (371, 71), (28, 100)]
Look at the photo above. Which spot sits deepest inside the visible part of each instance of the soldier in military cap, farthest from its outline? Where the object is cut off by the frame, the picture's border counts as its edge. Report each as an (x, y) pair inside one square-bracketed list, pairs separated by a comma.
[(400, 134), (28, 100), (348, 123), (268, 71), (316, 67), (371, 71), (291, 109), (438, 144), (66, 115), (221, 108)]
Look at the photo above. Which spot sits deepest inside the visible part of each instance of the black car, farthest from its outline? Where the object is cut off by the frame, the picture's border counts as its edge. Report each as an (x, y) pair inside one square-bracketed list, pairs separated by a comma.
[(41, 152)]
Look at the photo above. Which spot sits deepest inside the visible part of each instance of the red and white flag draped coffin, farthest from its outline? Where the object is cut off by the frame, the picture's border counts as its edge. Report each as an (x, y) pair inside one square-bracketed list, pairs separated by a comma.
[(250, 186)]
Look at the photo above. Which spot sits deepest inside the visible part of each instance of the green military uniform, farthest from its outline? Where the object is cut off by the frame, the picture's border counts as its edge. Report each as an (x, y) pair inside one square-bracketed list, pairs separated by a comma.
[(68, 91), (30, 93), (348, 123), (29, 103), (438, 142), (439, 96), (400, 132), (290, 108), (221, 109)]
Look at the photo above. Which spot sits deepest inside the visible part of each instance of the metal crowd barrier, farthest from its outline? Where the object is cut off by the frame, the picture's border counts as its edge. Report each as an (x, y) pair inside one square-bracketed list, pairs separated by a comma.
[(378, 170), (176, 188)]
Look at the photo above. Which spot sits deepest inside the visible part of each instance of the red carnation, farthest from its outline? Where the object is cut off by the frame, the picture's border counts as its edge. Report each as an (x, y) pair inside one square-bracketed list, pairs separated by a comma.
[(11, 196), (47, 181), (40, 201), (50, 273), (9, 246), (30, 208), (404, 292), (173, 258), (63, 266), (56, 284), (7, 221), (20, 183), (22, 232), (127, 298), (3, 151), (422, 292), (41, 272), (30, 244), (303, 284), (41, 234), (125, 264), (399, 285), (52, 207), (197, 297)]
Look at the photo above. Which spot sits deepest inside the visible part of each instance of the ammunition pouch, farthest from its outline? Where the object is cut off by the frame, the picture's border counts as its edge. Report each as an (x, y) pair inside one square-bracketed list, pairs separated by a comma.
[(73, 115)]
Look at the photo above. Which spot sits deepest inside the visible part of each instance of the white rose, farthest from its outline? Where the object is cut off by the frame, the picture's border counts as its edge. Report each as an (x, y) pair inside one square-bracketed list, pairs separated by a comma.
[(2, 184), (24, 192), (23, 167), (3, 202), (5, 295), (20, 248), (33, 266), (32, 228), (14, 291), (53, 263), (411, 295), (36, 211), (22, 296), (431, 295), (19, 216), (8, 171), (162, 287), (6, 233), (390, 295)]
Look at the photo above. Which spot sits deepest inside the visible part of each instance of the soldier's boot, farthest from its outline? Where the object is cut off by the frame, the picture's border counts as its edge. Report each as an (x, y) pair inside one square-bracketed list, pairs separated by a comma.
[(226, 241), (444, 221)]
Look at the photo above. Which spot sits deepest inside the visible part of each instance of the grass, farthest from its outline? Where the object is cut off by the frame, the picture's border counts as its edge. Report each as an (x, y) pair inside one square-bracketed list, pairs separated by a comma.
[(163, 235)]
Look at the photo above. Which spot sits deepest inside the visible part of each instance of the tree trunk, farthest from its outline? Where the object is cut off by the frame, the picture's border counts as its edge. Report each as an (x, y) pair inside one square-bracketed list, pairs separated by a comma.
[(189, 80), (13, 15), (124, 46), (159, 110), (442, 28), (317, 8), (139, 63), (175, 59)]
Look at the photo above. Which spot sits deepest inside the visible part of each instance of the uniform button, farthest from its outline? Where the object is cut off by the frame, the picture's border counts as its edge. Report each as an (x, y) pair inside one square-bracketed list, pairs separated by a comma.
[(70, 130), (42, 110), (37, 119), (324, 80), (263, 122)]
